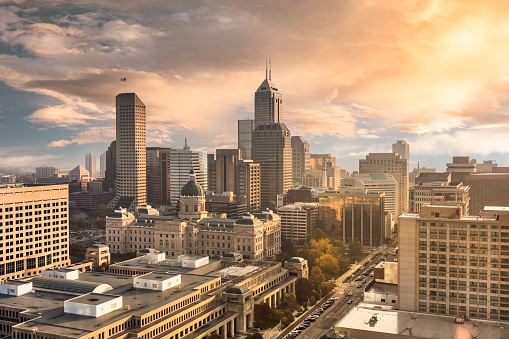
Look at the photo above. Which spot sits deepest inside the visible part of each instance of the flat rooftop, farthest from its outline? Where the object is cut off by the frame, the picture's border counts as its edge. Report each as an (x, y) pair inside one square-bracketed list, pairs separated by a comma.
[(169, 264), (158, 276), (94, 298), (413, 324), (54, 320), (384, 288)]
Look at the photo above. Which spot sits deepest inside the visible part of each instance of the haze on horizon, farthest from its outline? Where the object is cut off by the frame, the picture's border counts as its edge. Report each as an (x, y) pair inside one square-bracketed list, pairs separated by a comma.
[(355, 75)]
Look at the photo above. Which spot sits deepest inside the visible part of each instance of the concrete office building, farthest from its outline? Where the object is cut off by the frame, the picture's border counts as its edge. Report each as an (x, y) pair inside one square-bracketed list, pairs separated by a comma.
[(487, 189), (131, 170), (35, 234), (390, 163), (46, 171), (416, 172), (7, 179), (102, 165), (79, 174), (273, 151), (158, 175), (183, 160), (90, 164), (229, 172), (460, 167), (439, 193), (245, 130), (402, 148), (453, 264), (354, 215), (170, 299), (301, 159), (111, 168), (298, 220), (324, 172)]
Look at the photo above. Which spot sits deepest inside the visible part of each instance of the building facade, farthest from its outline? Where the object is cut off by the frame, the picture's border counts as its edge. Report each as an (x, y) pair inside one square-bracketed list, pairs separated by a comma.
[(390, 163), (46, 171), (131, 167), (111, 168), (102, 165), (273, 151), (182, 160), (454, 264), (301, 163), (460, 167), (268, 105), (91, 165), (34, 223), (245, 131), (298, 220), (402, 148), (439, 193), (158, 175), (354, 215), (487, 189)]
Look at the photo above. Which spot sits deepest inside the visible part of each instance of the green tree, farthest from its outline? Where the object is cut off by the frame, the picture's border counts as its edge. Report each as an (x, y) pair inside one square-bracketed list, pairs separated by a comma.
[(318, 234), (303, 288), (316, 276), (76, 250), (328, 264), (290, 301), (288, 315), (312, 300), (262, 313)]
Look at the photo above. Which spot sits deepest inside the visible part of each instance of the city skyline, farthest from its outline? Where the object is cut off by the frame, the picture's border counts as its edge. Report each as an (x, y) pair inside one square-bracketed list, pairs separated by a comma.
[(346, 93)]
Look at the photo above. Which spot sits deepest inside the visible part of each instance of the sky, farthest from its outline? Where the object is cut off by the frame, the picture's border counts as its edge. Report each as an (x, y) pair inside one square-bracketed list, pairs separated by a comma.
[(355, 75)]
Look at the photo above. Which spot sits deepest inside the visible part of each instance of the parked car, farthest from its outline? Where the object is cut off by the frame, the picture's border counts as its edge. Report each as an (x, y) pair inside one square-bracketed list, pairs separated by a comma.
[(349, 301), (350, 293)]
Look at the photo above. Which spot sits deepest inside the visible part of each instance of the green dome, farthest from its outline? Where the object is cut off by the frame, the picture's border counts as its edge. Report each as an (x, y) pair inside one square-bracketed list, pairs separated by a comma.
[(192, 188)]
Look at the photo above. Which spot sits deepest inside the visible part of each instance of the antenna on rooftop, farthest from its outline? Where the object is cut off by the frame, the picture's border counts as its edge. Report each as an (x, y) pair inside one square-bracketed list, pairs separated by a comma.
[(266, 69), (270, 69)]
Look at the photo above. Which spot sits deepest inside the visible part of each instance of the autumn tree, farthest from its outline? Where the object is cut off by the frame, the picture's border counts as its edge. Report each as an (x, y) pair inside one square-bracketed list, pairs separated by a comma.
[(303, 288), (307, 254), (316, 276), (262, 313), (328, 264), (290, 301), (355, 248)]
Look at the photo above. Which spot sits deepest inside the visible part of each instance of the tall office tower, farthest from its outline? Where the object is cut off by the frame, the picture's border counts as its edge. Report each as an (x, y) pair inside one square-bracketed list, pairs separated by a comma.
[(111, 168), (45, 171), (158, 175), (268, 106), (90, 164), (245, 131), (460, 273), (272, 149), (460, 167), (301, 159), (402, 148), (102, 165), (391, 163), (182, 161), (131, 178), (230, 173), (439, 193), (26, 213)]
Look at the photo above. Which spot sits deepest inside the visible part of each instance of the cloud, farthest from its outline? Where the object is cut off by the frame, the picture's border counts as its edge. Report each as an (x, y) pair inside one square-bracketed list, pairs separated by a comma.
[(89, 136), (23, 156)]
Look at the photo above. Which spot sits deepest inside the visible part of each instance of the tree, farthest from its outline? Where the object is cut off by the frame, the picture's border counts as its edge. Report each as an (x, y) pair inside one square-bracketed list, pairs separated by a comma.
[(290, 302), (325, 288), (257, 335), (355, 248), (262, 313), (312, 300), (328, 264), (102, 211), (315, 295), (303, 288), (276, 314), (318, 234), (308, 255), (285, 321), (288, 315), (76, 250), (214, 336), (316, 276)]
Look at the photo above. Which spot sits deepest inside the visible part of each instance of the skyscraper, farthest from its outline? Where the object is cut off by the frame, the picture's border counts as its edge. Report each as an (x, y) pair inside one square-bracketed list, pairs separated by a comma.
[(102, 165), (268, 102), (402, 148), (272, 149), (158, 175), (90, 164), (111, 168), (183, 160), (301, 158), (131, 178), (271, 143), (245, 130)]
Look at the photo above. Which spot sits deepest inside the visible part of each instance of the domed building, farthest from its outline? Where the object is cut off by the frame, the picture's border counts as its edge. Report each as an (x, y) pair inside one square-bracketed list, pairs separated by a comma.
[(192, 200), (195, 231)]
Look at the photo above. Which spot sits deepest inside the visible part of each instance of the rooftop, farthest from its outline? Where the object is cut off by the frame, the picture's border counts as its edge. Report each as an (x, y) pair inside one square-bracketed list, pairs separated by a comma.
[(419, 325), (384, 288), (93, 298)]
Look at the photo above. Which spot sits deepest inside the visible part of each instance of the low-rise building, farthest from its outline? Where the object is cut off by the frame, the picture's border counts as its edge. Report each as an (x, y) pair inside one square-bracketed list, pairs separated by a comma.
[(99, 254), (298, 220)]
